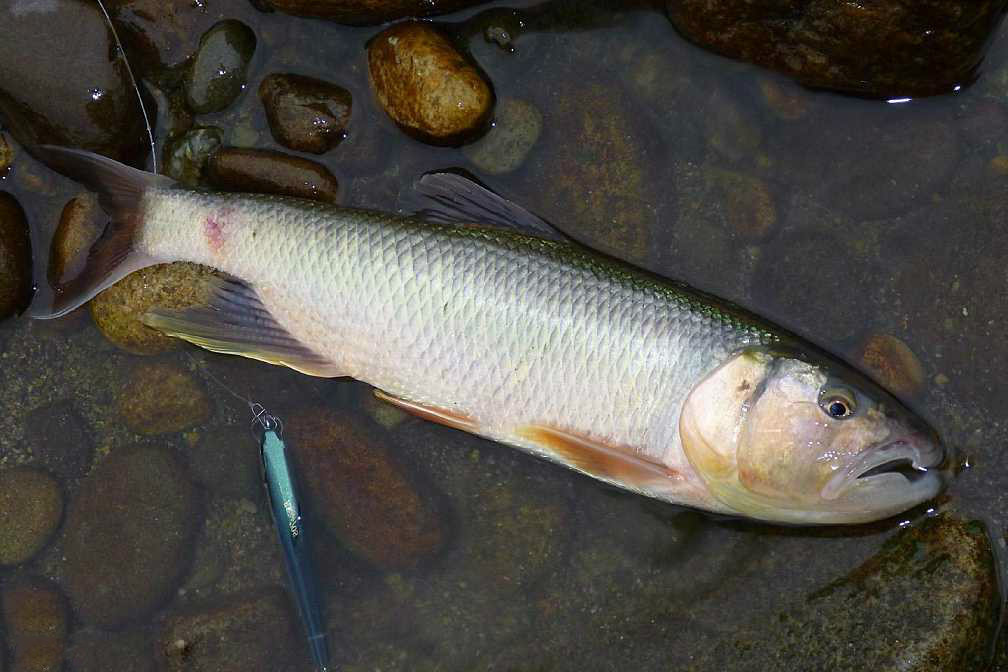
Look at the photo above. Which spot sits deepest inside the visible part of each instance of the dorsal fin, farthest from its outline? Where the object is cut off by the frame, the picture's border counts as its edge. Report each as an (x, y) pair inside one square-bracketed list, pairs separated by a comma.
[(451, 198)]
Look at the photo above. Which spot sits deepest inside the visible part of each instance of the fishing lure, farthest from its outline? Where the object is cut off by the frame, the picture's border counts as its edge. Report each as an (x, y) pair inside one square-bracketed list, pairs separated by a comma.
[(285, 507)]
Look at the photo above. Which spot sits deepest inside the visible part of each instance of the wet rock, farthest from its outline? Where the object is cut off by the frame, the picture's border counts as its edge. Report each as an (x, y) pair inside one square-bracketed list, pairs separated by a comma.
[(893, 364), (225, 461), (886, 49), (218, 72), (252, 632), (81, 224), (159, 34), (927, 602), (269, 172), (36, 620), (128, 535), (597, 188), (186, 156), (427, 86), (161, 398), (119, 309), (61, 83), (748, 205), (32, 505), (731, 129), (15, 257), (59, 439), (517, 125), (305, 114), (787, 101), (362, 12), (94, 650), (6, 155), (361, 493)]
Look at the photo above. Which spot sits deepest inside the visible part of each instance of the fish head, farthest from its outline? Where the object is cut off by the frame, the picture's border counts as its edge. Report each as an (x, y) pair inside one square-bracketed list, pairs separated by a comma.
[(791, 438)]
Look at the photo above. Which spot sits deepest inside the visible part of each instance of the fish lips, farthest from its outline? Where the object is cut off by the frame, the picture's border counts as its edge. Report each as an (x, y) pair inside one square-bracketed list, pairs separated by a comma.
[(923, 463)]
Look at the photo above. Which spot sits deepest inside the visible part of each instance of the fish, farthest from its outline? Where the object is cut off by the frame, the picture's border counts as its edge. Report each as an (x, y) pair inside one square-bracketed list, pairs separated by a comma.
[(477, 314)]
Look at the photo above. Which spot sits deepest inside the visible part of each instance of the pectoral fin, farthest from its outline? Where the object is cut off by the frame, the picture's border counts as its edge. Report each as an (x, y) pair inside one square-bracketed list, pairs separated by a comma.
[(439, 415), (237, 323), (603, 461)]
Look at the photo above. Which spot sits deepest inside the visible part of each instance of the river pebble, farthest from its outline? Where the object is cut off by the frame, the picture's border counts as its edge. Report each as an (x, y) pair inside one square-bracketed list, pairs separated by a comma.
[(218, 72), (305, 114), (32, 504), (59, 439), (161, 398), (15, 257), (893, 364), (36, 620), (186, 155), (427, 86), (268, 172), (516, 128), (128, 535)]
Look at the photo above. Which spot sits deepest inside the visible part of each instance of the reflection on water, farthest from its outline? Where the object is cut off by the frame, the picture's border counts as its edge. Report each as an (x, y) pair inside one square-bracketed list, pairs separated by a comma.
[(844, 219)]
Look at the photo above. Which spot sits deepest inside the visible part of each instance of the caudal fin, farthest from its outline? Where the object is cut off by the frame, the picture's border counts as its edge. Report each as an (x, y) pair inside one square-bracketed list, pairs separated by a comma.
[(112, 257)]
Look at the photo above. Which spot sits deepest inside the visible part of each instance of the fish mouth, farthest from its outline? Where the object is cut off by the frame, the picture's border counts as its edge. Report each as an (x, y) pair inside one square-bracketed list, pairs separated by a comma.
[(915, 457)]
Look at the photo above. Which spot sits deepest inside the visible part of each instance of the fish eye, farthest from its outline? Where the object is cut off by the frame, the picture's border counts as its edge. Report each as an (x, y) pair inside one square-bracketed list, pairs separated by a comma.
[(838, 403)]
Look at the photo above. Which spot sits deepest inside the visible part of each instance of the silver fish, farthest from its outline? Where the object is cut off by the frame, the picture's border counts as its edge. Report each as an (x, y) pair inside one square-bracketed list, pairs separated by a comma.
[(510, 332)]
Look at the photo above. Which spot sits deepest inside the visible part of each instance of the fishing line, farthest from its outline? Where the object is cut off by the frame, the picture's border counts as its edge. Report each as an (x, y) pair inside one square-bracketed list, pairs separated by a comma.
[(136, 88)]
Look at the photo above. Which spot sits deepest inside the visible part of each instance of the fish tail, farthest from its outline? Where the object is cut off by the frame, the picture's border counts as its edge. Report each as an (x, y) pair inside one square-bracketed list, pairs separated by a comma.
[(113, 256)]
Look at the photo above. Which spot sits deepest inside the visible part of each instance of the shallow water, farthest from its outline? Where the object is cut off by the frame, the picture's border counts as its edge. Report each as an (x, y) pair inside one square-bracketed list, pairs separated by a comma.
[(883, 218)]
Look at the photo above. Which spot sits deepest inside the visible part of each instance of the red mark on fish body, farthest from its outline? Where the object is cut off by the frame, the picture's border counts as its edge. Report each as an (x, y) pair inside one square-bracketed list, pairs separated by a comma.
[(215, 229)]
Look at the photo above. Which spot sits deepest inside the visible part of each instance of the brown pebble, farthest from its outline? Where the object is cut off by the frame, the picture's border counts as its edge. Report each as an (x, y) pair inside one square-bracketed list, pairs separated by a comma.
[(427, 86), (270, 172), (15, 257), (35, 616), (786, 101), (6, 154), (891, 362), (80, 225), (161, 398), (118, 310), (305, 114), (32, 503), (999, 164)]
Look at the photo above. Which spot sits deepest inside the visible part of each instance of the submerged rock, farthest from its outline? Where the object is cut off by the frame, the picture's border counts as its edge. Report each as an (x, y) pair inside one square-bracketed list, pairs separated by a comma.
[(61, 82), (927, 602), (161, 398), (15, 257), (427, 86), (128, 535), (362, 12), (94, 650), (268, 172), (119, 309), (36, 620), (516, 128), (361, 492), (253, 631), (893, 364), (59, 439), (305, 114), (80, 225), (886, 48), (6, 155), (222, 461), (218, 72), (32, 504)]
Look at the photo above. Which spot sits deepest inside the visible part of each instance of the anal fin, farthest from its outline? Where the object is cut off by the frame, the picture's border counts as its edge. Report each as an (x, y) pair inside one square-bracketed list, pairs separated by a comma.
[(439, 415), (603, 461), (237, 323)]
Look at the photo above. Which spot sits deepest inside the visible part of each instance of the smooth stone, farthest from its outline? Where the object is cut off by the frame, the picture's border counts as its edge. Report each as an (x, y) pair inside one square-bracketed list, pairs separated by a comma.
[(360, 491), (268, 172), (61, 83), (32, 504), (364, 12), (15, 257), (80, 225), (59, 439), (218, 72), (426, 86), (128, 536), (36, 620), (251, 631), (222, 461), (6, 154), (118, 310), (161, 398), (893, 364), (305, 114), (885, 48), (186, 156), (516, 128), (749, 206)]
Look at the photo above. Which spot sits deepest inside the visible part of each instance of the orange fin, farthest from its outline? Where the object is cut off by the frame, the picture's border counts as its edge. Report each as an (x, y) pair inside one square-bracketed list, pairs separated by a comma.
[(601, 460), (439, 415)]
